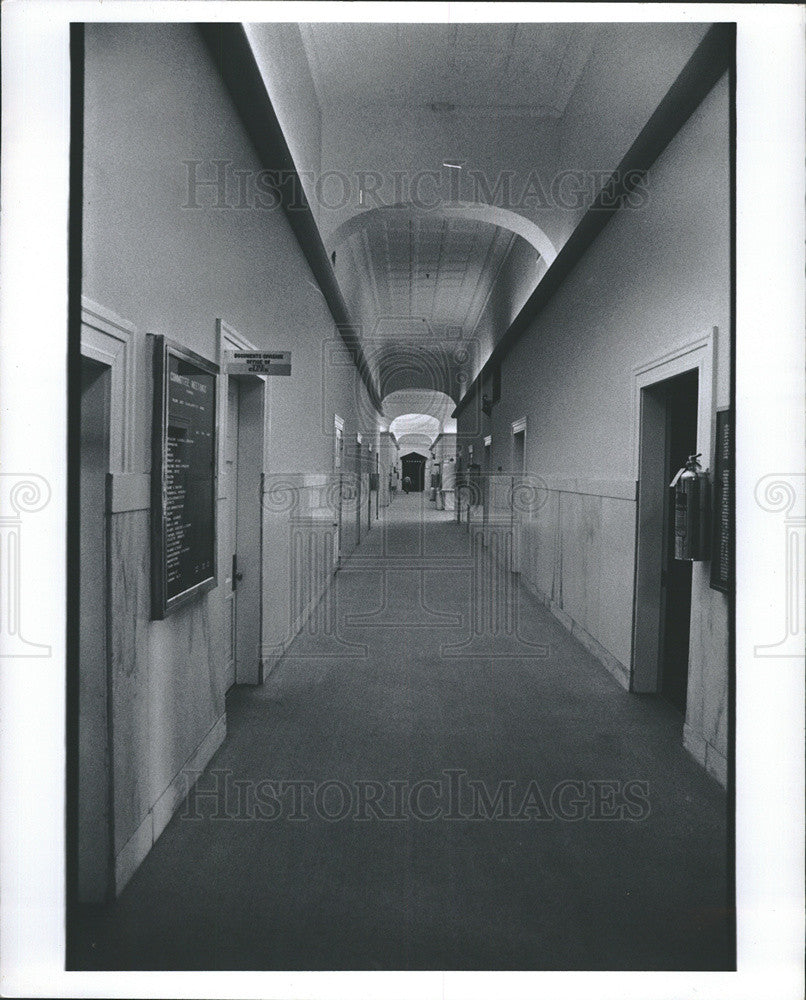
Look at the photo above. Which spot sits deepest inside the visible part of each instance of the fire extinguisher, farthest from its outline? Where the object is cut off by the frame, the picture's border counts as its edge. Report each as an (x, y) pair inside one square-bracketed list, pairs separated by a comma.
[(691, 510)]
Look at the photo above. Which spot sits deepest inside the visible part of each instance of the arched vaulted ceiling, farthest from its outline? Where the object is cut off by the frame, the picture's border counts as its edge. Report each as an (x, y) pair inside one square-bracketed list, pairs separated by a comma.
[(418, 411), (420, 425), (435, 404), (447, 164), (430, 279)]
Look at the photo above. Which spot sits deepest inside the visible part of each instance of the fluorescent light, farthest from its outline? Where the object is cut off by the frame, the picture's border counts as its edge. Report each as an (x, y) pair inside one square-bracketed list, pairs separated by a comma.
[(453, 166)]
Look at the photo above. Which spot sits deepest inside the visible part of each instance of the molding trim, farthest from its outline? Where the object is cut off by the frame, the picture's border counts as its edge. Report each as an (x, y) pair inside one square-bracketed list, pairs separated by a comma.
[(228, 339), (518, 425), (712, 58), (231, 53), (699, 354), (616, 489), (110, 340)]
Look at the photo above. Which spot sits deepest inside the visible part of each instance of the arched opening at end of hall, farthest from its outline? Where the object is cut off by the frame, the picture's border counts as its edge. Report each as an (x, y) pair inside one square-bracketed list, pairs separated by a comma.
[(413, 469)]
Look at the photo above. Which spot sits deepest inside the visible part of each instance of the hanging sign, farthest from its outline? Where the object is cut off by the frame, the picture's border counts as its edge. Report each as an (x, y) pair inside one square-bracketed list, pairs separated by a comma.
[(258, 362)]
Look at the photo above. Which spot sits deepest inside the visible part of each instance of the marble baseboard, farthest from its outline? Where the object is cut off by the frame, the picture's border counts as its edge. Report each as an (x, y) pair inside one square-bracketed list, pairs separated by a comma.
[(706, 755), (133, 853), (613, 666), (695, 744), (716, 765), (175, 794), (270, 656)]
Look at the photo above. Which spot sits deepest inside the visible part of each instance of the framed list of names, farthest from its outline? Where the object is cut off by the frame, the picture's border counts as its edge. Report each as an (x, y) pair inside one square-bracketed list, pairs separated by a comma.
[(183, 521)]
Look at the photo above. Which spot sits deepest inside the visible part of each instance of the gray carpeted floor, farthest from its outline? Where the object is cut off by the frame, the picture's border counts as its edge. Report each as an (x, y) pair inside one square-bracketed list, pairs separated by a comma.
[(403, 684)]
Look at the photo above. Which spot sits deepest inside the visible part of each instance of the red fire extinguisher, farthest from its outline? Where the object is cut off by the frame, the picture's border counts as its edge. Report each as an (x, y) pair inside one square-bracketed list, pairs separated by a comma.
[(691, 510)]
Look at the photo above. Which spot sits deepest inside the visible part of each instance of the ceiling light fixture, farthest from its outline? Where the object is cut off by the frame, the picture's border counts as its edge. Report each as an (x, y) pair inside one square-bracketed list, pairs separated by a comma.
[(453, 166)]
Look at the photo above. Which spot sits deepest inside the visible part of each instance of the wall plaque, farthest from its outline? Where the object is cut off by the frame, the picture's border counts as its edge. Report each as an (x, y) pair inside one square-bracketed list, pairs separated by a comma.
[(722, 517), (183, 477)]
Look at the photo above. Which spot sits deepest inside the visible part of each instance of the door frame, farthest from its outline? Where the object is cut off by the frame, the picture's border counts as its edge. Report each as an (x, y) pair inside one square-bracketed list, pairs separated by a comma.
[(338, 471), (228, 339), (359, 460), (518, 427), (647, 632), (110, 341)]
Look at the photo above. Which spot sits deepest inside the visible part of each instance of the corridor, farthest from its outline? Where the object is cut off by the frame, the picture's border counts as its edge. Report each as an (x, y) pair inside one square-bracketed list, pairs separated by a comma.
[(607, 847), (320, 716)]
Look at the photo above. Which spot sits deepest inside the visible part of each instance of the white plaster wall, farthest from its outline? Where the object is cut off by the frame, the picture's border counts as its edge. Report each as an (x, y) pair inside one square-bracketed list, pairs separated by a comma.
[(653, 279), (281, 57), (154, 100)]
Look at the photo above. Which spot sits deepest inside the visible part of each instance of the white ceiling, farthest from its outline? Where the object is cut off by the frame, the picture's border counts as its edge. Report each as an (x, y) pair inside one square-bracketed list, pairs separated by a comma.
[(516, 67)]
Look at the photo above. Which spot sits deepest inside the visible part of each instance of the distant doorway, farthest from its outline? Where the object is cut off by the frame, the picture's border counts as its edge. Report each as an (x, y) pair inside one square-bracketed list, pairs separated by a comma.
[(414, 470)]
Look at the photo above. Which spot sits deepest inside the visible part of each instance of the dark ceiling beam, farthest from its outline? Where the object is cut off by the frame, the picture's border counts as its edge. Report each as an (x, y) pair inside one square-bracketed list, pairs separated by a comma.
[(233, 56), (711, 59)]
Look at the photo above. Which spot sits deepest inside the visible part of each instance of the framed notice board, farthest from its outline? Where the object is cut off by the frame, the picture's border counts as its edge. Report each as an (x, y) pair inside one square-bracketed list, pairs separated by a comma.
[(183, 477), (722, 517)]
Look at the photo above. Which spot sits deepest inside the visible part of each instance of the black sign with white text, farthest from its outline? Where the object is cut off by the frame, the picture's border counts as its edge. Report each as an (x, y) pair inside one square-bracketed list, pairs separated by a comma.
[(183, 551)]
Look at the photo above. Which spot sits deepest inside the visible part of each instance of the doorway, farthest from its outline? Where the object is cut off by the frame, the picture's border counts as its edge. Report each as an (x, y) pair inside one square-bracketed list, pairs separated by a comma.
[(414, 468), (243, 465), (359, 468), (338, 456), (681, 432), (519, 452), (95, 847), (669, 418)]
